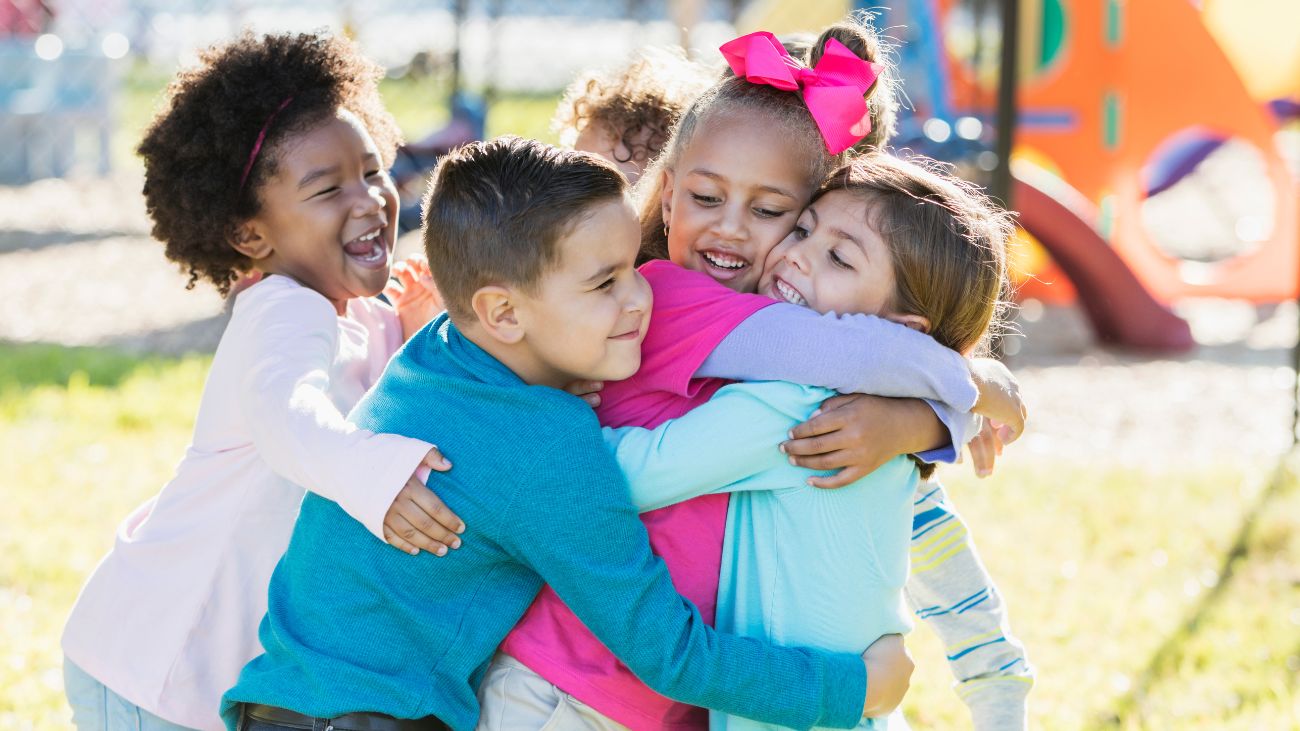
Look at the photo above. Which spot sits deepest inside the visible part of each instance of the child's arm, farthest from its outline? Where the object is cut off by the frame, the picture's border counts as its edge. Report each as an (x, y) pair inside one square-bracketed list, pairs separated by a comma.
[(951, 590), (581, 534), (295, 426), (728, 444), (855, 354)]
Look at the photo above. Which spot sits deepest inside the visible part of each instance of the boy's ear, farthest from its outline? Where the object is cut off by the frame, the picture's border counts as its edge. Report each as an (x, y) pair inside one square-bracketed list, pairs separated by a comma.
[(915, 322), (666, 195), (495, 308), (250, 241)]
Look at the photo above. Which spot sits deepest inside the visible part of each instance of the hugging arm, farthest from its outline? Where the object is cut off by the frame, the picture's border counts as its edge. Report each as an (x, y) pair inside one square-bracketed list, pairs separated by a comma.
[(295, 426), (727, 444), (583, 537), (853, 354)]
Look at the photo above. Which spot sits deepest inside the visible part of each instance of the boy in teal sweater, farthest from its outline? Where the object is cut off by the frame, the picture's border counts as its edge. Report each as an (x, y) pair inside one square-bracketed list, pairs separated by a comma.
[(533, 250)]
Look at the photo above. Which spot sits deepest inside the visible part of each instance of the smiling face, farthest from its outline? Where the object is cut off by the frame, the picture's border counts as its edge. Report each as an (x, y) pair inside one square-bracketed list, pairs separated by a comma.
[(833, 261), (329, 213), (731, 197), (586, 318)]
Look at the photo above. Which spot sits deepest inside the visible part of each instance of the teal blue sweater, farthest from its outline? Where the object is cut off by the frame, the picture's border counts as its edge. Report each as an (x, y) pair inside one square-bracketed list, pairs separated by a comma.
[(355, 625)]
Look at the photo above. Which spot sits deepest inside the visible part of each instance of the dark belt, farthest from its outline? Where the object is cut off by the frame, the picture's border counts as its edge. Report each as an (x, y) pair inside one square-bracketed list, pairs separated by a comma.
[(347, 722)]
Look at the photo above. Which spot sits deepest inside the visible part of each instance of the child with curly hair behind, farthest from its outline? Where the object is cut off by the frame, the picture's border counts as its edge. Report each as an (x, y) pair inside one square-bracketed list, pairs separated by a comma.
[(626, 115), (269, 158)]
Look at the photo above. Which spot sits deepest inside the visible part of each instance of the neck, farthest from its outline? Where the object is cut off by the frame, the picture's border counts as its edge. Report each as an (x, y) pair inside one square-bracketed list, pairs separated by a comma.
[(517, 357)]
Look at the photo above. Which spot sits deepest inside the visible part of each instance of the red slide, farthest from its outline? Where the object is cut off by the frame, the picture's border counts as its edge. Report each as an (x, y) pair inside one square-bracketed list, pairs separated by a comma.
[(1121, 310)]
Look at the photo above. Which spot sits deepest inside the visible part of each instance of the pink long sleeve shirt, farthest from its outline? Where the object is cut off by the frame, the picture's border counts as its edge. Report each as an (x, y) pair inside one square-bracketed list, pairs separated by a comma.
[(691, 315), (170, 615)]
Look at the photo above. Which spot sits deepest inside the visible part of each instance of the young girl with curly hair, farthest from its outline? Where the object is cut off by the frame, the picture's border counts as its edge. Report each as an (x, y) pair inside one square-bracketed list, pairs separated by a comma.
[(269, 157), (627, 114)]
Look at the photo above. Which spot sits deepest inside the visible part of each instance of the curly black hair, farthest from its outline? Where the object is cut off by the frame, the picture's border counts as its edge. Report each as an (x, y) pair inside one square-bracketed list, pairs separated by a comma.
[(197, 146)]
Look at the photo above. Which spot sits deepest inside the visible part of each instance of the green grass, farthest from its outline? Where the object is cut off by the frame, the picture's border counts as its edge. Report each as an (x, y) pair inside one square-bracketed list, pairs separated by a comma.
[(1152, 598), (419, 107)]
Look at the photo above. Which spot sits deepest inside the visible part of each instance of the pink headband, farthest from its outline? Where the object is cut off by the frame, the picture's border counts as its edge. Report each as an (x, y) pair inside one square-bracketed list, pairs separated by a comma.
[(834, 89), (257, 146)]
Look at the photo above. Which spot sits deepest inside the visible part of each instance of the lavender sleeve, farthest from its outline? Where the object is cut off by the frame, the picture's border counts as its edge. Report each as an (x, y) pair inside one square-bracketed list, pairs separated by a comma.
[(851, 354)]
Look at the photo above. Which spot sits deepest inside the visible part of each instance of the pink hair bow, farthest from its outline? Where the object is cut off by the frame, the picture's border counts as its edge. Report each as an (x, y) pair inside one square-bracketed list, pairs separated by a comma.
[(834, 89)]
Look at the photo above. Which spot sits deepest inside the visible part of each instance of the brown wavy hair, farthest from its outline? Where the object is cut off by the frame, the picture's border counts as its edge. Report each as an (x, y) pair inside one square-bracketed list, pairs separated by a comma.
[(197, 146)]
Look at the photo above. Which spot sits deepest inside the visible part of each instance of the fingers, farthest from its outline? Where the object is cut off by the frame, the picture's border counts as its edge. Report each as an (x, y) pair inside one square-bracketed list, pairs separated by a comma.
[(982, 454), (587, 391), (398, 542), (835, 402), (416, 527), (428, 506), (434, 460), (825, 462), (846, 476), (823, 423)]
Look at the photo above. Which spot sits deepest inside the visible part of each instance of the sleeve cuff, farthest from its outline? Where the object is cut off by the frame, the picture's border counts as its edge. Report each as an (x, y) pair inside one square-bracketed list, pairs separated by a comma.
[(961, 426), (403, 456), (845, 681)]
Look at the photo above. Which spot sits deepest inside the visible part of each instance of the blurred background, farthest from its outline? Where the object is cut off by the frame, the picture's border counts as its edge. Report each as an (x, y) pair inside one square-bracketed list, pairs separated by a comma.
[(1145, 531)]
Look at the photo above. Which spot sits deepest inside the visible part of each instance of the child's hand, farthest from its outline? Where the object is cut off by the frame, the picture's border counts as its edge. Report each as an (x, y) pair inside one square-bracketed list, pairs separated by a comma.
[(999, 398), (985, 449), (889, 673), (417, 519), (413, 295), (587, 391), (856, 434)]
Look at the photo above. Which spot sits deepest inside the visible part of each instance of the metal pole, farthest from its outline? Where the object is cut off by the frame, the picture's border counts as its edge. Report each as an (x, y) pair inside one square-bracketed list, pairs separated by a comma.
[(1008, 74)]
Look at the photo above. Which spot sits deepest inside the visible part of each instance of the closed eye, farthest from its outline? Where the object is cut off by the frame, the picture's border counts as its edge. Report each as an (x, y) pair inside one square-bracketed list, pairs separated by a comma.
[(769, 213), (706, 200), (838, 261), (607, 284)]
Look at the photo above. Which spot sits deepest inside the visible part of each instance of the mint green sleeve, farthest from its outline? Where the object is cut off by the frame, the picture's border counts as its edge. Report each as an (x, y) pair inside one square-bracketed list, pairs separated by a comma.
[(728, 444)]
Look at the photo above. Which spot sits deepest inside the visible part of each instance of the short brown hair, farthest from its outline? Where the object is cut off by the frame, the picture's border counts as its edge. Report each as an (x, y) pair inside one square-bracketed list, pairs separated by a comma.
[(948, 242), (495, 212)]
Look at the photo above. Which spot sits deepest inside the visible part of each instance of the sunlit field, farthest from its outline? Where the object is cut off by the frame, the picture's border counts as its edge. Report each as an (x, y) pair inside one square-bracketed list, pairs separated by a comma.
[(1156, 598)]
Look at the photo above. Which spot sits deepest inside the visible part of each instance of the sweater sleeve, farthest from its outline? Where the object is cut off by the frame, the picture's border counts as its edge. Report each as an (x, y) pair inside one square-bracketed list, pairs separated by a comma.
[(297, 429), (951, 590), (581, 534), (727, 444), (845, 353)]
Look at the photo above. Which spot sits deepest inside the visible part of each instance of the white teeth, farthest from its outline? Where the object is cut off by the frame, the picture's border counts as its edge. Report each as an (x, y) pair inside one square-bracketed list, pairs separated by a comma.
[(789, 294), (724, 261), (370, 236)]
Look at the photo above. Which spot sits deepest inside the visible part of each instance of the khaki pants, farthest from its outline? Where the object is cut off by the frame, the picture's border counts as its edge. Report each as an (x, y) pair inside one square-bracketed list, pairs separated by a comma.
[(514, 698)]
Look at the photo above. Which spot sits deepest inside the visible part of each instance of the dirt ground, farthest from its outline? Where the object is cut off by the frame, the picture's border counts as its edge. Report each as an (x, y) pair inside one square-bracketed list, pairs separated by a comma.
[(77, 267)]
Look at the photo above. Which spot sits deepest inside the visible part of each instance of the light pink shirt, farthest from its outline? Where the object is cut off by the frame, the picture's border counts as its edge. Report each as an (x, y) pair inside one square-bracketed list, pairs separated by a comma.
[(692, 314), (170, 616)]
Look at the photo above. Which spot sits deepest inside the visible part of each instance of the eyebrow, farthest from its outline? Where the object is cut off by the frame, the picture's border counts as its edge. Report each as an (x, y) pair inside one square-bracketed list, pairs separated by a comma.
[(769, 188), (602, 274), (315, 175)]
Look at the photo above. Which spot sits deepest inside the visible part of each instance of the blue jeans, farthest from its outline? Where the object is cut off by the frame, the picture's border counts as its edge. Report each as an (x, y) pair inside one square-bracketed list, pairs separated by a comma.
[(96, 708)]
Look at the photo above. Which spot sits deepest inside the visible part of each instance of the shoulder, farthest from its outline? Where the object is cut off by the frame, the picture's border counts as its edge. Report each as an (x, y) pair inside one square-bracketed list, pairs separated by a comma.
[(794, 400), (281, 298)]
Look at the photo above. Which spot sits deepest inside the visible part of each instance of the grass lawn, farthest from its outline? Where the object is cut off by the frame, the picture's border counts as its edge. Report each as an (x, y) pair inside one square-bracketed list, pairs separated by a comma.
[(1158, 598)]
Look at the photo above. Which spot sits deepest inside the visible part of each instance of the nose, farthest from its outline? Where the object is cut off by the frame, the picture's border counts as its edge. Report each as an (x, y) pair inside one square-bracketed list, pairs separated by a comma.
[(797, 255), (371, 201), (639, 297), (730, 226)]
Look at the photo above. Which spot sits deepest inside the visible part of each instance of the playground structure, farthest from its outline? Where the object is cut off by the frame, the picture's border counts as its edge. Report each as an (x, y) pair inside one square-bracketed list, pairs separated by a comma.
[(1148, 160)]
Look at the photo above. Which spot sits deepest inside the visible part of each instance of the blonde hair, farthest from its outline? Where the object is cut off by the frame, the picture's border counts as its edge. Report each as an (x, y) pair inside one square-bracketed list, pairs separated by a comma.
[(648, 94), (732, 96)]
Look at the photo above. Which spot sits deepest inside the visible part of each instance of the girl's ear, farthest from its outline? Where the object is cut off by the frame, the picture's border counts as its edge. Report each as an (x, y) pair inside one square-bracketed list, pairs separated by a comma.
[(250, 241), (918, 323), (666, 194), (495, 308)]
